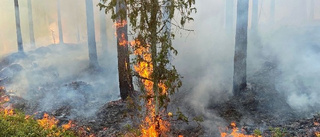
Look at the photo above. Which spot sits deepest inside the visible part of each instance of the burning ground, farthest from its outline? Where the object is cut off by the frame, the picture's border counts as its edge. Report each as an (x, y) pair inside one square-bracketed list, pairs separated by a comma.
[(80, 100)]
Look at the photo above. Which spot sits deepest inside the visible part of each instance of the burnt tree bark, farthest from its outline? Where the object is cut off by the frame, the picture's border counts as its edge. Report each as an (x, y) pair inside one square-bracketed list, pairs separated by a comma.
[(93, 57), (103, 29), (18, 27), (240, 56), (125, 78), (59, 22), (31, 31), (229, 15)]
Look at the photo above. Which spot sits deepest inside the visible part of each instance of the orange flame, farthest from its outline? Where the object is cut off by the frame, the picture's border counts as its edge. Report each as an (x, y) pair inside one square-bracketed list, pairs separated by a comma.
[(235, 132), (68, 125), (122, 39), (48, 122), (152, 126), (8, 112)]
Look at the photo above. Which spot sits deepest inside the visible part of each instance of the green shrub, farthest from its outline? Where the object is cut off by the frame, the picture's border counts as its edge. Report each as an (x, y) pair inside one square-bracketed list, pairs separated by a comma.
[(17, 125)]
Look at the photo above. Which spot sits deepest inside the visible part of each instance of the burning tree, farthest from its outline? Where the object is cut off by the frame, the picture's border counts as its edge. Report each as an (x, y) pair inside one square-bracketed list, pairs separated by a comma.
[(152, 47)]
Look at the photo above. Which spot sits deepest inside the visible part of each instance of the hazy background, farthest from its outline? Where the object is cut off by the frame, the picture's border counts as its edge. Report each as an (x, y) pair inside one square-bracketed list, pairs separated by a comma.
[(205, 57)]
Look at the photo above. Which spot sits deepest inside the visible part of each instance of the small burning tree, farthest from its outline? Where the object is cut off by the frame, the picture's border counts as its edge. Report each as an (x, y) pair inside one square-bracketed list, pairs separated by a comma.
[(152, 46)]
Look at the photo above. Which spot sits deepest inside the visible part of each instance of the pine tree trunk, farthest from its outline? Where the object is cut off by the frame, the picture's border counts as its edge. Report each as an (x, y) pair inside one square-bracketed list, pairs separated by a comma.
[(59, 23), (166, 19), (125, 78), (18, 27), (31, 32), (229, 15), (93, 57), (240, 56), (155, 72), (103, 29)]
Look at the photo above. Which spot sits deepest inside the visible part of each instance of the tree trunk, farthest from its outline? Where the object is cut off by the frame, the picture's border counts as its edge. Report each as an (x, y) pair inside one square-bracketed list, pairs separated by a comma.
[(240, 56), (103, 29), (153, 35), (255, 15), (166, 19), (59, 23), (229, 15), (93, 57), (273, 8), (17, 16), (31, 32), (125, 78)]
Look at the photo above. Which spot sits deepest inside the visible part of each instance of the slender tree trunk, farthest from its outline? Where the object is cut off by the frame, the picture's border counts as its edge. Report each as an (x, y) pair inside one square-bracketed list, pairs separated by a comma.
[(103, 29), (240, 56), (153, 35), (229, 15), (91, 35), (166, 19), (18, 27), (255, 15), (59, 23), (31, 32), (273, 8), (125, 78)]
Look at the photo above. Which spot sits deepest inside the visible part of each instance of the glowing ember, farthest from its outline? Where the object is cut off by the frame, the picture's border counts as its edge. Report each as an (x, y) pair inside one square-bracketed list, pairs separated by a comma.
[(317, 134), (48, 122), (234, 132)]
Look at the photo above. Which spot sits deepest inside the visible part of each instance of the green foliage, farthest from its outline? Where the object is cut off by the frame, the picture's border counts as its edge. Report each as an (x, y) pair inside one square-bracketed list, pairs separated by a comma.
[(278, 132), (147, 23), (182, 117), (257, 132), (18, 125)]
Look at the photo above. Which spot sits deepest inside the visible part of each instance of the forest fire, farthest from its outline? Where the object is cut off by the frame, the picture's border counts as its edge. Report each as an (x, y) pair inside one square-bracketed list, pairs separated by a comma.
[(153, 125), (234, 132), (122, 38), (48, 122)]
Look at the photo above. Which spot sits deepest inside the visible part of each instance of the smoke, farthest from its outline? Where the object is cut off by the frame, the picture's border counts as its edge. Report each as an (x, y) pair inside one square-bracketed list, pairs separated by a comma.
[(205, 58)]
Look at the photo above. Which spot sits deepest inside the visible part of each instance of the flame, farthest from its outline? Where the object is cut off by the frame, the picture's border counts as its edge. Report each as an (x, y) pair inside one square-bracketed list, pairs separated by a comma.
[(120, 24), (152, 126), (48, 122), (234, 132), (122, 39), (317, 134), (68, 126), (8, 112)]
